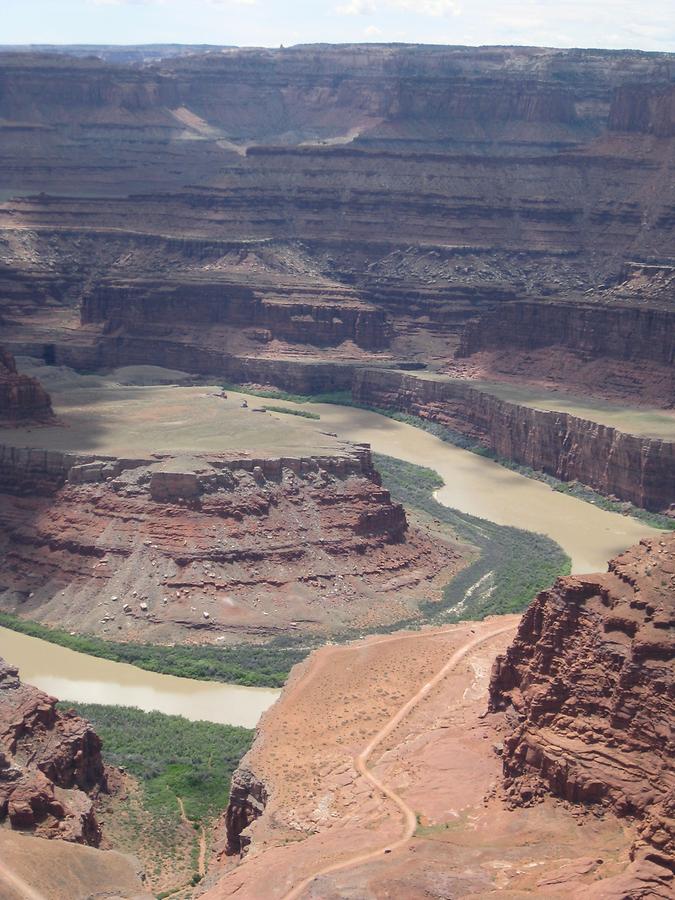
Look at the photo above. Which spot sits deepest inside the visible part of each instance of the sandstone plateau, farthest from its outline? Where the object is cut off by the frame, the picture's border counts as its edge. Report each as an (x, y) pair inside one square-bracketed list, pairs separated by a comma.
[(409, 228), (50, 765)]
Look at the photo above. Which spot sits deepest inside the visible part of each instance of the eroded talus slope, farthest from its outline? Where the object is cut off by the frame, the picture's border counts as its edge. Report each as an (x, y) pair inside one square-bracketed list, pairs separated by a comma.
[(21, 398), (156, 549), (589, 686), (50, 765)]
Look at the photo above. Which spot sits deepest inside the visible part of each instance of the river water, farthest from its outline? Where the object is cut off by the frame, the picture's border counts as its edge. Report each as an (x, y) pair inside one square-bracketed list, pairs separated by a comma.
[(88, 679), (473, 484)]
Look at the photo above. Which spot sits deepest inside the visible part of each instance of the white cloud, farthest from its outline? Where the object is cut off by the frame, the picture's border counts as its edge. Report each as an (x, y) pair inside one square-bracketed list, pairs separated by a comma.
[(216, 3), (435, 8)]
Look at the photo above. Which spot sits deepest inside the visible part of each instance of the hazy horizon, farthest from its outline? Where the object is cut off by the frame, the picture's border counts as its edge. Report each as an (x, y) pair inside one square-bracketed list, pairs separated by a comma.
[(605, 25)]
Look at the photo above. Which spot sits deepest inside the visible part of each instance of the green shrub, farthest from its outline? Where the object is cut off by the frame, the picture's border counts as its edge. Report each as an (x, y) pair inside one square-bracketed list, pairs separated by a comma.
[(292, 412), (171, 757), (513, 565), (254, 665)]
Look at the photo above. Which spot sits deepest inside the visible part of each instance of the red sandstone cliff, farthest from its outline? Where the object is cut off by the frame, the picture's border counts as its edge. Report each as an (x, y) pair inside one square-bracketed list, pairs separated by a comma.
[(21, 398), (50, 765), (633, 468), (163, 549), (589, 689)]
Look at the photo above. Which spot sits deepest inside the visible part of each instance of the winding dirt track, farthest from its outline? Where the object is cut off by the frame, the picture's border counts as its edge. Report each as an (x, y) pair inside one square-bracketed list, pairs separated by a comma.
[(361, 764), (201, 864)]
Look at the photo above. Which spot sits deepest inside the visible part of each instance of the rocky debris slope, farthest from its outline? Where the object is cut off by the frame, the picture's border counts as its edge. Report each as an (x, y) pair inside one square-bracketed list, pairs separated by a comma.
[(21, 398), (630, 467), (50, 765), (589, 689), (224, 545)]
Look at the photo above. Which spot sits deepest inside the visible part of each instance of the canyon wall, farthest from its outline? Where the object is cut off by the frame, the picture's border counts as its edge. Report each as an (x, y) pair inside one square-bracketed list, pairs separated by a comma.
[(372, 198), (318, 315), (22, 399), (645, 109), (638, 469), (50, 765), (224, 546), (591, 330), (588, 687)]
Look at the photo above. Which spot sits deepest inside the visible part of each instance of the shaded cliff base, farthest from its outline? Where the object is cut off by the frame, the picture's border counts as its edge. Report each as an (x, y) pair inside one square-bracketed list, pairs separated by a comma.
[(22, 398), (443, 760)]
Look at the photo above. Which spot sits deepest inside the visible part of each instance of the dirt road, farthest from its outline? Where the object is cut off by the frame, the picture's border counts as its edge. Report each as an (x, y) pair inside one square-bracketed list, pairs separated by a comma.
[(361, 763)]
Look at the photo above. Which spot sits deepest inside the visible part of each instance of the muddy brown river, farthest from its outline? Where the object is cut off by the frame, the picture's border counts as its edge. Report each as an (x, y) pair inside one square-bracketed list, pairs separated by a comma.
[(88, 679), (473, 484)]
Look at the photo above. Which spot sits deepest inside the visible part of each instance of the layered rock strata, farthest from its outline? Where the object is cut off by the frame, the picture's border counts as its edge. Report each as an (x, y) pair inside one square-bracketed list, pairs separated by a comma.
[(638, 469), (593, 330), (622, 345), (50, 765), (393, 189), (318, 315), (22, 399), (589, 688), (225, 546)]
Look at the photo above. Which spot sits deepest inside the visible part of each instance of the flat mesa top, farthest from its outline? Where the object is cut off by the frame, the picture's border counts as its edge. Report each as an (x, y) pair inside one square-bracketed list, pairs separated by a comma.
[(99, 414)]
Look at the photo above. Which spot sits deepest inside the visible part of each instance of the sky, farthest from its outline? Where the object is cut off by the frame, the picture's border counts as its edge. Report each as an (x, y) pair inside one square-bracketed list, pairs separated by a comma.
[(644, 25)]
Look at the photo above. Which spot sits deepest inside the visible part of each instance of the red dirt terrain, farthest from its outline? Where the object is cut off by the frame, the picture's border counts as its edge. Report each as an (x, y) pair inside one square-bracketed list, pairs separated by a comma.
[(414, 790)]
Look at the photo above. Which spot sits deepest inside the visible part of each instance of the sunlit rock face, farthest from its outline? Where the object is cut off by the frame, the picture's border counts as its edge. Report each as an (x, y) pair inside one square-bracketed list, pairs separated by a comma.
[(588, 688), (50, 765)]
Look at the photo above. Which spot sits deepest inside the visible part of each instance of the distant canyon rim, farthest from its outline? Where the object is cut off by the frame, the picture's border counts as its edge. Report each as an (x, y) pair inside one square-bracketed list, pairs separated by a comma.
[(245, 294)]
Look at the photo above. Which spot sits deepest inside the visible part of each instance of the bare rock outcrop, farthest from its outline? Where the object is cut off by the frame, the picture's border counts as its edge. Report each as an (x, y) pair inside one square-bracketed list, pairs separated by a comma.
[(50, 765), (22, 398), (163, 549), (589, 686)]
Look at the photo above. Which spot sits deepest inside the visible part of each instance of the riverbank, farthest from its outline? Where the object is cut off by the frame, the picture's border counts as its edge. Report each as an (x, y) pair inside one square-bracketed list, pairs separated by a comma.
[(86, 678)]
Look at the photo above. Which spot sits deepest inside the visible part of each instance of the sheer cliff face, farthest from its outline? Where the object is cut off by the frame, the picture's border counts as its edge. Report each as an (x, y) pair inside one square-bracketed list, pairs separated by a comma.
[(21, 398), (589, 690), (50, 765), (638, 469)]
